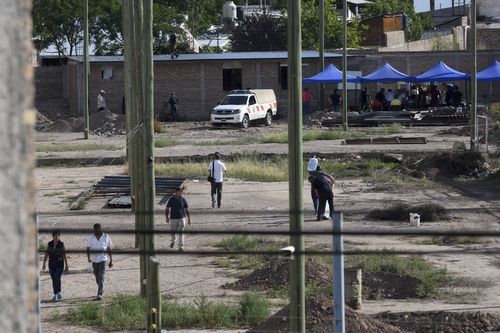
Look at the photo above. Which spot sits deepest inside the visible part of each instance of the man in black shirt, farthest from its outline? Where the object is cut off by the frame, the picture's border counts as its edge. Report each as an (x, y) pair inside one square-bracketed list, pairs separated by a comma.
[(335, 100), (173, 101), (177, 206), (57, 263)]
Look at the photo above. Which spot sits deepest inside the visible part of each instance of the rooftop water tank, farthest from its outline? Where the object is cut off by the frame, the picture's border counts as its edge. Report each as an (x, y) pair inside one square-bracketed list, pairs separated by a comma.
[(229, 11)]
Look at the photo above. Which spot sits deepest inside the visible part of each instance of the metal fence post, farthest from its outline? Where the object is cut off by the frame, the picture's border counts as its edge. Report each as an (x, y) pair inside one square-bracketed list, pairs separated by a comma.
[(338, 273)]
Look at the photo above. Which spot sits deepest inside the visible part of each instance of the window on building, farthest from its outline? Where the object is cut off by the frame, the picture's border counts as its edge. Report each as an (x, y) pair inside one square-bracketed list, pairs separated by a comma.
[(231, 79), (107, 73), (283, 77)]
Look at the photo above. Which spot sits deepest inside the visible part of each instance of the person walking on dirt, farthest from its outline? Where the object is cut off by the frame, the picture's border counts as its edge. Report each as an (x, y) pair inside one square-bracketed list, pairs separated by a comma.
[(322, 185), (314, 170), (175, 215), (216, 169), (173, 101), (101, 101), (98, 250), (57, 262)]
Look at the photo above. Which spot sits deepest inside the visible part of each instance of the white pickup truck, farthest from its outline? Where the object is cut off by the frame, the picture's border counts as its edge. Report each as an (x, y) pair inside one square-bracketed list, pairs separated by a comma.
[(243, 106)]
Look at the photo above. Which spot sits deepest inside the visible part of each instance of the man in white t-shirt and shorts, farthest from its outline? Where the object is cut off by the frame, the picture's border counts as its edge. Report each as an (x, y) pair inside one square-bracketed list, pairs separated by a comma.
[(216, 169), (98, 250)]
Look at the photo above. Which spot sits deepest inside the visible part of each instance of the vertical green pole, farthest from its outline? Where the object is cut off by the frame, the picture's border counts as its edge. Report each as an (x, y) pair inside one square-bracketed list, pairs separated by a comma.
[(139, 139), (322, 51), (86, 69), (296, 182), (344, 70), (474, 132), (147, 165), (154, 318)]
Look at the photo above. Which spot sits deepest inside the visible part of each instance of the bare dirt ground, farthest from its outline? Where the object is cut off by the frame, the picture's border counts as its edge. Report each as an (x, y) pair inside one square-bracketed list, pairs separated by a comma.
[(262, 206)]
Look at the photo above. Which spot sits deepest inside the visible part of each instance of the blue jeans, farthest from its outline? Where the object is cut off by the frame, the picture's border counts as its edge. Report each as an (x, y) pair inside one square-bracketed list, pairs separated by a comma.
[(335, 108), (99, 268), (305, 107), (55, 275)]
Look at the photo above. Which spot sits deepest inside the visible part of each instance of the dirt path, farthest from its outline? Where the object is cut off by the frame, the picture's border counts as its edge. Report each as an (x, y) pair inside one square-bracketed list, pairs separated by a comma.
[(253, 205)]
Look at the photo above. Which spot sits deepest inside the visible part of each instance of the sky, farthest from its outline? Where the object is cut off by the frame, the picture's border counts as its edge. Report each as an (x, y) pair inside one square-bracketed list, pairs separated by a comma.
[(423, 5)]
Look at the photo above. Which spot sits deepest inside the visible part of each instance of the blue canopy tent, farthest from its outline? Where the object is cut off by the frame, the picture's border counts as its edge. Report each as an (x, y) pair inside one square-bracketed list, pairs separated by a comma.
[(441, 72), (386, 73), (329, 75), (491, 73)]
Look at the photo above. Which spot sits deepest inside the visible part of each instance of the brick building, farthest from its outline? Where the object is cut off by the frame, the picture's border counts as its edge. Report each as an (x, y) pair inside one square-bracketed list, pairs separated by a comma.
[(201, 80)]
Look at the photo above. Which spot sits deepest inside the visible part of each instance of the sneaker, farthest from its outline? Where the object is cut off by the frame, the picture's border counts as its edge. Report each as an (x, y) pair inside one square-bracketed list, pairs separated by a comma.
[(58, 296), (181, 249), (98, 298), (213, 204), (172, 245), (54, 298), (325, 218)]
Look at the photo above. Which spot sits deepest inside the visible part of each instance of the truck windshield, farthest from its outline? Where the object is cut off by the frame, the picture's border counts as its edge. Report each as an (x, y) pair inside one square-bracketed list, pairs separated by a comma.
[(234, 100)]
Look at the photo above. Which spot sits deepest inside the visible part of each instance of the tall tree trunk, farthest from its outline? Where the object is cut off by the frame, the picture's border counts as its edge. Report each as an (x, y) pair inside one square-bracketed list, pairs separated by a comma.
[(18, 273)]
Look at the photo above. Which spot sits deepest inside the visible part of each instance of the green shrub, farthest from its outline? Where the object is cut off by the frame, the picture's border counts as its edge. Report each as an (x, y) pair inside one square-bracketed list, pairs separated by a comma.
[(254, 309)]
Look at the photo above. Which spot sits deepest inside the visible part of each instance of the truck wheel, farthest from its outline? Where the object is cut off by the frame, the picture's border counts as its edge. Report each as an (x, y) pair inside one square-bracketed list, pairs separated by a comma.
[(268, 120), (245, 123)]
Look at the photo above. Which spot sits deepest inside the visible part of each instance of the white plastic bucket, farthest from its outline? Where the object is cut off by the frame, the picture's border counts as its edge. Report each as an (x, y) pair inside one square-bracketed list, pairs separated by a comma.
[(414, 220)]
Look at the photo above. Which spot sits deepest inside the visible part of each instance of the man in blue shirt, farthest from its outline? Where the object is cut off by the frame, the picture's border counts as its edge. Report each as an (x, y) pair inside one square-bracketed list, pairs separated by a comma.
[(175, 214)]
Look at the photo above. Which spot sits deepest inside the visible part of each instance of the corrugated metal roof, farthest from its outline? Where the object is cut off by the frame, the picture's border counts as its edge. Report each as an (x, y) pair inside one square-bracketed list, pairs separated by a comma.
[(216, 56)]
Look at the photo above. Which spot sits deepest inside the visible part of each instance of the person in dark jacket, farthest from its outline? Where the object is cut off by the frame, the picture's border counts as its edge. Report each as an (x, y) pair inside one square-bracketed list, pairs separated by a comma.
[(322, 185), (57, 263)]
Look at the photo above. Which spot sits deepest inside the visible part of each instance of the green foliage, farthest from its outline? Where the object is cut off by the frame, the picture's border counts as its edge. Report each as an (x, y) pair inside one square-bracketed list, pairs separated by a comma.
[(417, 22), (160, 143), (260, 33), (128, 313), (42, 246), (440, 44), (254, 309), (333, 27), (44, 147), (432, 278), (60, 23), (246, 243), (312, 135)]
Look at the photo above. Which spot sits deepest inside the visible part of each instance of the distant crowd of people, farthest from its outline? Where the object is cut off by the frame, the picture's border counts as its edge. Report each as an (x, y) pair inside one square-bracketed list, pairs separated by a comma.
[(417, 97)]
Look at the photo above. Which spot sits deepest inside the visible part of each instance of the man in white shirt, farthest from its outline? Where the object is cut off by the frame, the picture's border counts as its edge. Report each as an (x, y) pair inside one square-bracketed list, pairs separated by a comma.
[(217, 169), (100, 246), (101, 101)]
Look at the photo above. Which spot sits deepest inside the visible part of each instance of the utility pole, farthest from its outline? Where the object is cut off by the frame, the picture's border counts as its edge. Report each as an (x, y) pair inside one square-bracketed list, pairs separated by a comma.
[(147, 168), (86, 68), (474, 133), (295, 178), (344, 69), (321, 51)]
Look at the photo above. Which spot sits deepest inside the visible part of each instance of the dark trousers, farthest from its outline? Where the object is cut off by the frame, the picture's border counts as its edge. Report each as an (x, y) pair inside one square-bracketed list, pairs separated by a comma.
[(173, 109), (323, 198), (315, 200), (216, 189), (55, 275), (99, 268)]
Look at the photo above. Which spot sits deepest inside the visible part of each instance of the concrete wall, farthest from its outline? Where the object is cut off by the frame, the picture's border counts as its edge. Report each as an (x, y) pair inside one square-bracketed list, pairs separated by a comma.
[(488, 8), (18, 273)]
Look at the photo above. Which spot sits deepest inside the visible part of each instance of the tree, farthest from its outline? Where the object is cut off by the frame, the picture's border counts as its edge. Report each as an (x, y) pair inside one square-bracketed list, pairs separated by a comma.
[(417, 22), (260, 33), (58, 23), (333, 27)]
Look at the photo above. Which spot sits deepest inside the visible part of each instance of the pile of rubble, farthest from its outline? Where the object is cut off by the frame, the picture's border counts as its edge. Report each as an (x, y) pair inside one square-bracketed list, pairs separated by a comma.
[(109, 129)]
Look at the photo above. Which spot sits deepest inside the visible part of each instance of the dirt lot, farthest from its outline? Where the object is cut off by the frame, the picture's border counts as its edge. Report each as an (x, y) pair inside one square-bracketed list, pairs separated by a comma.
[(263, 206)]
